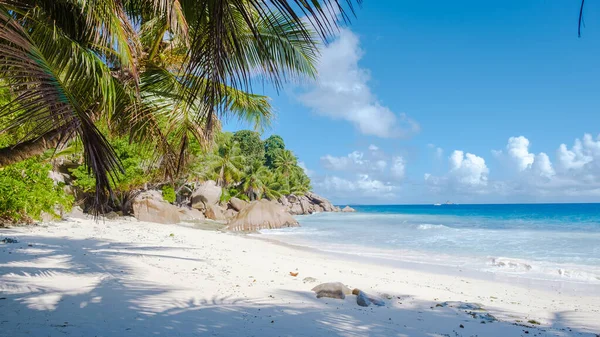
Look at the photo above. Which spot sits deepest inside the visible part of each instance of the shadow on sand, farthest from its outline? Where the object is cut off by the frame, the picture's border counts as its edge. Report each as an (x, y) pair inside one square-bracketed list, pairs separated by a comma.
[(101, 295)]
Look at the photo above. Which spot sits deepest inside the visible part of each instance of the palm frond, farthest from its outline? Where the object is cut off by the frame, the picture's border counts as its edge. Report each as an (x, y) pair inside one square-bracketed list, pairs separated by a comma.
[(43, 99)]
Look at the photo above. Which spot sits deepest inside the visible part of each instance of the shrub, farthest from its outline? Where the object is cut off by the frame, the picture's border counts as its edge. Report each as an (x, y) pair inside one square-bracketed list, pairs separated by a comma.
[(168, 194), (26, 190)]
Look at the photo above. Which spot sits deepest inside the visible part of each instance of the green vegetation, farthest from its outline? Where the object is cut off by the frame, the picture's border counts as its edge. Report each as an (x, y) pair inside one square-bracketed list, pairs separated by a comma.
[(27, 190), (135, 93), (168, 194)]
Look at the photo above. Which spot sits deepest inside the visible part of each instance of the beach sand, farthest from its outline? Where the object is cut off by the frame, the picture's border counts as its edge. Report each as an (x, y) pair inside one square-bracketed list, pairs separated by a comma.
[(128, 278)]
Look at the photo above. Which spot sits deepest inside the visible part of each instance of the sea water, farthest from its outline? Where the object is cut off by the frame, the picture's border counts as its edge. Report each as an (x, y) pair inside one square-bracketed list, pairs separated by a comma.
[(538, 241)]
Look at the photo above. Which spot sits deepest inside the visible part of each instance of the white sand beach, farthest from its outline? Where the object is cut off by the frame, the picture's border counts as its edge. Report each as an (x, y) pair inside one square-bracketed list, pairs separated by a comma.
[(129, 278)]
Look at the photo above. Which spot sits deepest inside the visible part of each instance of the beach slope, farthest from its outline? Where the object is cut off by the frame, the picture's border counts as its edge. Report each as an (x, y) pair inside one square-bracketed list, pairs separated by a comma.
[(129, 278)]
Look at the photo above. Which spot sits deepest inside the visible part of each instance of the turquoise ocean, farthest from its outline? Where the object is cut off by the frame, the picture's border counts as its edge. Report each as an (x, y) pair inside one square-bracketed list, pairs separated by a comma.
[(536, 241)]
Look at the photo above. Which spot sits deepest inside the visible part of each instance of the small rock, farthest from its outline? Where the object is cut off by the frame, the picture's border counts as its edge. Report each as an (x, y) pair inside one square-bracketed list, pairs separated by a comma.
[(309, 280), (362, 299), (462, 326), (332, 290)]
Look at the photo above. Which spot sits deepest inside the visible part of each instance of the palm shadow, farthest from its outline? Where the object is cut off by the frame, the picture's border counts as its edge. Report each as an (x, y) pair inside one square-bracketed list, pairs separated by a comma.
[(101, 294)]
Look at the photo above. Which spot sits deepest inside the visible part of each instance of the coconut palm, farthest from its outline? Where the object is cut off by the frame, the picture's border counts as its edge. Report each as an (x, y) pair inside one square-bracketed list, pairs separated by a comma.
[(166, 69), (227, 162), (286, 163)]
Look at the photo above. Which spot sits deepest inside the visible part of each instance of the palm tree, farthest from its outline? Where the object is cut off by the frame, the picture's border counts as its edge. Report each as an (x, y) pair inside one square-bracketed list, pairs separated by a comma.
[(286, 163), (227, 162), (165, 70), (255, 181)]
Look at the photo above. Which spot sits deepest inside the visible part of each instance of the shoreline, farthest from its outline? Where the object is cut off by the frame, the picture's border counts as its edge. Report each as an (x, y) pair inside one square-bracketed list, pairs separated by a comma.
[(571, 286), (72, 278)]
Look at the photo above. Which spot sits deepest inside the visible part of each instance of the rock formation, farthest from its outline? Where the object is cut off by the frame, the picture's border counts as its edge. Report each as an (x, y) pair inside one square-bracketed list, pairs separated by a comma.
[(348, 209), (150, 206), (261, 214), (207, 193)]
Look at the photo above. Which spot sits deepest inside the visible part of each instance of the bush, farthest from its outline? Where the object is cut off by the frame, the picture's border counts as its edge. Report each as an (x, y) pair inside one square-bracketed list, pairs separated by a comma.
[(168, 194), (133, 158), (26, 190)]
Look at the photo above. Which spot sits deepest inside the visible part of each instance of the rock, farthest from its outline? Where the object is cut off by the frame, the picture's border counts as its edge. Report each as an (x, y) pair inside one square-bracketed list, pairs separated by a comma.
[(332, 290), (77, 213), (320, 201), (230, 214), (348, 209), (208, 193), (318, 209), (296, 209), (362, 299), (111, 215), (262, 214), (284, 202), (307, 207), (309, 280), (337, 209), (237, 204), (190, 214), (214, 212), (149, 206), (293, 199), (57, 177)]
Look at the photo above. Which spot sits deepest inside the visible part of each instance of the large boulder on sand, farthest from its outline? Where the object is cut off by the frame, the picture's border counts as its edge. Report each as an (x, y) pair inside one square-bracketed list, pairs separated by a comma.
[(214, 212), (348, 209), (237, 204), (190, 214), (208, 193), (150, 207), (230, 214), (262, 214)]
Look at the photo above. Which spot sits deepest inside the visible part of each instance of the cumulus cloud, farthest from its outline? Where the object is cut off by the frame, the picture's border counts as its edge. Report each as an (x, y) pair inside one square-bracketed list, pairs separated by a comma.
[(353, 161), (373, 147), (342, 92), (467, 173), (372, 173), (530, 164), (363, 185)]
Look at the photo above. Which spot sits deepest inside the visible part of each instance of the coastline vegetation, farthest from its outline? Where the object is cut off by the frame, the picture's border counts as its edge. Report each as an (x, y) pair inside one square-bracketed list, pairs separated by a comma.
[(133, 92)]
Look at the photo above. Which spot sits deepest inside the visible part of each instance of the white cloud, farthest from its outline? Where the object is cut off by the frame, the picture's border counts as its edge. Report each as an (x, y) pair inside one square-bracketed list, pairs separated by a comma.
[(352, 161), (342, 92), (518, 150), (525, 162), (371, 174), (468, 169), (373, 147), (467, 173), (362, 185), (309, 173), (398, 167)]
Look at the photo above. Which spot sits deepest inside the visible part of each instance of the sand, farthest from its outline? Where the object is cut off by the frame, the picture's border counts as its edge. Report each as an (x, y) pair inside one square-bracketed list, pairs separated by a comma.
[(127, 278)]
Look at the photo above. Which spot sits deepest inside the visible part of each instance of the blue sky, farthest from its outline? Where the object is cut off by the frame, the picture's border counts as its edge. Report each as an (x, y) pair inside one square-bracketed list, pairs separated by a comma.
[(417, 103)]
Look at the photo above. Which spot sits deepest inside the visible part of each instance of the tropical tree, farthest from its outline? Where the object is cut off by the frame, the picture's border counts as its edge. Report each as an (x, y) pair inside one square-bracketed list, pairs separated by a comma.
[(226, 162), (251, 145), (273, 144), (164, 70), (255, 181), (286, 163)]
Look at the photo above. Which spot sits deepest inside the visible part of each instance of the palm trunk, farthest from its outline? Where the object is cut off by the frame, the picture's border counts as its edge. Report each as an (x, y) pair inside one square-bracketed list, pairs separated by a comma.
[(14, 154)]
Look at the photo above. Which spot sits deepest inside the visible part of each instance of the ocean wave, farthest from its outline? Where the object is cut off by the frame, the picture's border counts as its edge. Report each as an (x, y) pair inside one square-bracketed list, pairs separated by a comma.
[(544, 268), (517, 265), (430, 226)]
